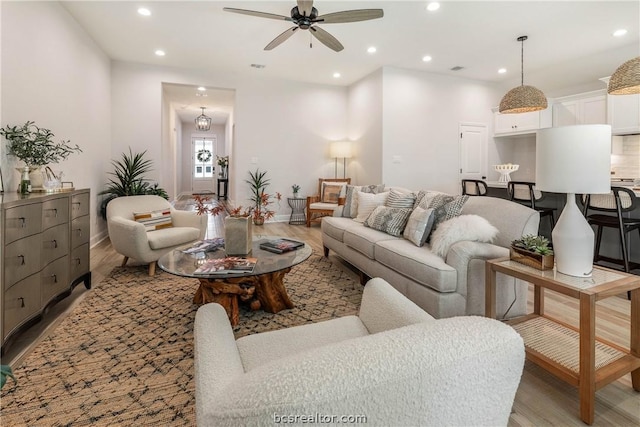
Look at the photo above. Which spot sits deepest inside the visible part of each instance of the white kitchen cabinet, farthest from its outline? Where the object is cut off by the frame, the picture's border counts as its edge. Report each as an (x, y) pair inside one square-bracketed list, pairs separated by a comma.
[(623, 114), (521, 124), (582, 109)]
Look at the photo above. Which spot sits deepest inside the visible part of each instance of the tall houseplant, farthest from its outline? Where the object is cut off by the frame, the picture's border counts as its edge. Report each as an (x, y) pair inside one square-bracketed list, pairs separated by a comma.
[(260, 199), (129, 179)]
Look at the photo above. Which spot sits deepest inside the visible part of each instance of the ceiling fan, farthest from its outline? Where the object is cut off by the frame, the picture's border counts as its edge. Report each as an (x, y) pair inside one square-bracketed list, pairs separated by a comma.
[(305, 16)]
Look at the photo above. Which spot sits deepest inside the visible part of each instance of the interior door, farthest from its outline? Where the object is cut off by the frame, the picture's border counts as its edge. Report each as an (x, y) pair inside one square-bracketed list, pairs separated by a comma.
[(473, 149), (203, 160)]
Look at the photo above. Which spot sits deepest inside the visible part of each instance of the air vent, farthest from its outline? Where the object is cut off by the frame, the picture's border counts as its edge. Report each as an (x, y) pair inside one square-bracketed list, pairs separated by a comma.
[(457, 68)]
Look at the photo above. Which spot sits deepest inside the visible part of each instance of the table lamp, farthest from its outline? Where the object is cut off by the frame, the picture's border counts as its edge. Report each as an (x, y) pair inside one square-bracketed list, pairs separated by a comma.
[(340, 149), (573, 160)]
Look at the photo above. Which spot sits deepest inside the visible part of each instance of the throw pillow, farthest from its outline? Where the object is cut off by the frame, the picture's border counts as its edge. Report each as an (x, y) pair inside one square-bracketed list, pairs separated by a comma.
[(331, 193), (446, 211), (350, 209), (419, 226), (154, 220), (398, 199), (472, 228), (389, 220), (367, 202), (342, 186)]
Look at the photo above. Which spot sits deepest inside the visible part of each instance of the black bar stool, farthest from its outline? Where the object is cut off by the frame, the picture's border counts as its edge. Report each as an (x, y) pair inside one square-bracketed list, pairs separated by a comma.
[(524, 193), (474, 187)]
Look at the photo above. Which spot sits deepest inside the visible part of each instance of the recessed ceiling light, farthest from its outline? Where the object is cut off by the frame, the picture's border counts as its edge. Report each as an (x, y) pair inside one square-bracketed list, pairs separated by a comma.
[(160, 52), (433, 6), (144, 11), (502, 70), (426, 58), (202, 88), (336, 75), (372, 49), (619, 33)]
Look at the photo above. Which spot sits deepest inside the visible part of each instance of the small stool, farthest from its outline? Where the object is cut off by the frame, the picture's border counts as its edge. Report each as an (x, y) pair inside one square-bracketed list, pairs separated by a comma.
[(225, 187), (298, 205)]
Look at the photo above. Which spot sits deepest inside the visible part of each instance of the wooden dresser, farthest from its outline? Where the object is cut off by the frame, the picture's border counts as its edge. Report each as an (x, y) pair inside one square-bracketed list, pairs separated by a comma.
[(44, 253)]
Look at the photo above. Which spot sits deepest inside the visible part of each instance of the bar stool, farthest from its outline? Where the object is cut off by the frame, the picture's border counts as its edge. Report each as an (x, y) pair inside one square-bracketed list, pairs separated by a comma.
[(524, 193), (474, 187)]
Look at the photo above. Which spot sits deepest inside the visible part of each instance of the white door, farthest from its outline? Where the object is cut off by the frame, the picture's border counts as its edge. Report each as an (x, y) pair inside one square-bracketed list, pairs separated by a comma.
[(203, 161), (473, 148)]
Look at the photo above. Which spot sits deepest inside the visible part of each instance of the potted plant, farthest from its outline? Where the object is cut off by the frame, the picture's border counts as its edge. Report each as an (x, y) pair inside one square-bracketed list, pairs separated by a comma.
[(295, 188), (129, 180), (534, 251), (223, 162), (35, 147), (260, 210)]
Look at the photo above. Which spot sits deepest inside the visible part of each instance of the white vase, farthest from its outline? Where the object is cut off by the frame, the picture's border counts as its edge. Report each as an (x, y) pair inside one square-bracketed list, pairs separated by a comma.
[(35, 175), (237, 235)]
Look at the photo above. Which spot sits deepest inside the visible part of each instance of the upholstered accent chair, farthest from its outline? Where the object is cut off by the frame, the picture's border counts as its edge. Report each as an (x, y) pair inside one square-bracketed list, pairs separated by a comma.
[(392, 363), (159, 229), (331, 194)]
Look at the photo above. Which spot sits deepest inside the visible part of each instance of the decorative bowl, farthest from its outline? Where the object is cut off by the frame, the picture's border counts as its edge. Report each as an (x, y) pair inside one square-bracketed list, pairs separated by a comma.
[(505, 170)]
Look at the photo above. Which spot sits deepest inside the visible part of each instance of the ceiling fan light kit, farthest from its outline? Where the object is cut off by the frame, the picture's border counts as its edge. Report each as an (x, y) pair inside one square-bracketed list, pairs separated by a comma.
[(305, 17), (626, 79), (203, 123), (522, 99)]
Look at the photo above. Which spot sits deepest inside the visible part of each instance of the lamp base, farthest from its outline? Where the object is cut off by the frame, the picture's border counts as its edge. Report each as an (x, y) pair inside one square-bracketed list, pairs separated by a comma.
[(573, 241)]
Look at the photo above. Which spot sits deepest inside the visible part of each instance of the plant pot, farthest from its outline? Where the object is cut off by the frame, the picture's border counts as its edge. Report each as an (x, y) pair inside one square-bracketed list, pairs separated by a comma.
[(532, 259), (237, 235), (259, 220)]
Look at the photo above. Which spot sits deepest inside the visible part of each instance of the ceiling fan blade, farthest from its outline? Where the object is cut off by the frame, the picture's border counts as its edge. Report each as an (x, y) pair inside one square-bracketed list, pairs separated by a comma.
[(305, 6), (350, 16), (326, 39), (258, 14), (281, 38)]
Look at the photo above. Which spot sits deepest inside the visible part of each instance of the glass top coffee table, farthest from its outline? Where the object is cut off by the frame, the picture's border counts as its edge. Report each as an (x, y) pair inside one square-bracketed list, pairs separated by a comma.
[(262, 288)]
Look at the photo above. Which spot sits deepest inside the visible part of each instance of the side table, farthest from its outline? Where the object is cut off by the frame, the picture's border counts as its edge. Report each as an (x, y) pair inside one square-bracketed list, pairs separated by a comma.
[(573, 354), (225, 186), (298, 206)]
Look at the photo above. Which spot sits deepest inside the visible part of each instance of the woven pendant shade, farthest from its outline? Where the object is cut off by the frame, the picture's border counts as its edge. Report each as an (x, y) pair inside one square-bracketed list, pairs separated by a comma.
[(626, 79), (523, 99)]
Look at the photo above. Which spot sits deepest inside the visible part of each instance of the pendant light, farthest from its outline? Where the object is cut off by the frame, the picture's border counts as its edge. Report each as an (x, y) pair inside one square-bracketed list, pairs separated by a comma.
[(523, 99), (626, 79), (203, 123)]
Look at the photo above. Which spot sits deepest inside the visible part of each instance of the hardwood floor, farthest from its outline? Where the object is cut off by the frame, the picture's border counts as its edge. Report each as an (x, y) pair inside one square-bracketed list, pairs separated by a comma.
[(541, 399)]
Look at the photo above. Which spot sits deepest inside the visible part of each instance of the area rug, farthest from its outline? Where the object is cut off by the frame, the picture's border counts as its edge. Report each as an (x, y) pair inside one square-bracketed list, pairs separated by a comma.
[(124, 356)]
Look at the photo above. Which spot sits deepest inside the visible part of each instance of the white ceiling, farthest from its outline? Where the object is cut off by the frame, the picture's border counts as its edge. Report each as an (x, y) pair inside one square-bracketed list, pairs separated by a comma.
[(570, 42)]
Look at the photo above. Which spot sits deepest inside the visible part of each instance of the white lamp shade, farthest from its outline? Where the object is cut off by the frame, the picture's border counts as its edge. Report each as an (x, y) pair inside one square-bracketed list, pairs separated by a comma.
[(340, 150), (574, 159)]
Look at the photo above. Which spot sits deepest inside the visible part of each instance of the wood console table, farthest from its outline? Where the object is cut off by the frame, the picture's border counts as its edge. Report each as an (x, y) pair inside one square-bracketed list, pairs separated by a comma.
[(572, 354)]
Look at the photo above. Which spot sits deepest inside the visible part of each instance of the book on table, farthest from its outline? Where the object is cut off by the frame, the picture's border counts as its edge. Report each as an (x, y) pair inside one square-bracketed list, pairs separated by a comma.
[(227, 265), (206, 245), (280, 246)]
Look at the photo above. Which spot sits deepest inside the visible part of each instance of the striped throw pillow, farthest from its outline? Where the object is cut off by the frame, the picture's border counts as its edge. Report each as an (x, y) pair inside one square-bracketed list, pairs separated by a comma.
[(154, 220), (389, 220), (367, 202), (401, 200)]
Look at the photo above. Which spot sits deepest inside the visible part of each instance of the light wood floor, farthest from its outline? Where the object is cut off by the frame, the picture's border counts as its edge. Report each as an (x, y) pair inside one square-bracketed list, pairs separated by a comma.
[(542, 400)]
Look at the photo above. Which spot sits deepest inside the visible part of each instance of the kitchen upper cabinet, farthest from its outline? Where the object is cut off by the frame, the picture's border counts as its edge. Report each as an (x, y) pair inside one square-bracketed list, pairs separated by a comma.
[(520, 124), (583, 109), (623, 114)]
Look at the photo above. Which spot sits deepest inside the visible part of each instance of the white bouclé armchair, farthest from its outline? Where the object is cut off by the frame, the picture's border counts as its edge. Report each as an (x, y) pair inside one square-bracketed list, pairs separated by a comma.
[(393, 364), (131, 238)]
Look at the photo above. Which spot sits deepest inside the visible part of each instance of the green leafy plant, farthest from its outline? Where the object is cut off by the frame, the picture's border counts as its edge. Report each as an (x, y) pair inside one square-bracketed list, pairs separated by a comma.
[(295, 188), (35, 146), (533, 243), (259, 198), (129, 179), (5, 371)]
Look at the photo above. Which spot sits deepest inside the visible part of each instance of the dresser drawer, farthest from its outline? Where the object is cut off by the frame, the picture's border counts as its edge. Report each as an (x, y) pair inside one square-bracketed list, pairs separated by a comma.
[(22, 221), (80, 231), (55, 243), (21, 259), (55, 212), (79, 205), (79, 262), (21, 302), (54, 279)]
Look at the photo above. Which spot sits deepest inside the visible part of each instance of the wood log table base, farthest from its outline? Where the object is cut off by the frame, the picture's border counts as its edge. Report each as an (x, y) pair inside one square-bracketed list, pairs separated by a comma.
[(265, 291)]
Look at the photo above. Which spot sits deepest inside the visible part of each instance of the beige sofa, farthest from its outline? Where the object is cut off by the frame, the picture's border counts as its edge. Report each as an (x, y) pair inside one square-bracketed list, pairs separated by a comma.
[(444, 287), (393, 364)]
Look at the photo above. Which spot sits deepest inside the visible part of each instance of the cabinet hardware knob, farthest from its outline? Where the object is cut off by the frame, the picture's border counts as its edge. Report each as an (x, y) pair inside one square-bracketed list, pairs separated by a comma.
[(23, 222), (55, 278), (55, 243), (22, 262), (79, 230), (77, 261), (21, 302)]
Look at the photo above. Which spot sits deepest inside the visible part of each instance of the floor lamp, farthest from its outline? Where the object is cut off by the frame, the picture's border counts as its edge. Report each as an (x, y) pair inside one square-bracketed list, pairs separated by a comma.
[(573, 160), (340, 149)]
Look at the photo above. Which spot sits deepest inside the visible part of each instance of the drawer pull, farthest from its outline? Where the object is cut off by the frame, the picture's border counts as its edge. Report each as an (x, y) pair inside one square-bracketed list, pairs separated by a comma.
[(22, 262), (55, 278), (75, 205), (21, 302), (23, 222), (55, 243), (55, 212), (79, 230), (77, 261)]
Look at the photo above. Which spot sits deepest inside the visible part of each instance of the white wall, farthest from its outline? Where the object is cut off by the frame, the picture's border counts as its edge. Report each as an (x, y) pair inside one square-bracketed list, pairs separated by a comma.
[(54, 74)]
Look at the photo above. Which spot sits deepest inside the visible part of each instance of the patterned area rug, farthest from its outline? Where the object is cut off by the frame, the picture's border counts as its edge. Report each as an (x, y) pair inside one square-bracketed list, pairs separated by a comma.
[(124, 356)]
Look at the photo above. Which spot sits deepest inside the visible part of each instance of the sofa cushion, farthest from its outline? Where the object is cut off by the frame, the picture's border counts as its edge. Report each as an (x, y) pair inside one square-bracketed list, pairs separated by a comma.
[(389, 220), (364, 239), (323, 206), (257, 349), (419, 264), (334, 226), (419, 226), (174, 236), (368, 202), (351, 199), (331, 193)]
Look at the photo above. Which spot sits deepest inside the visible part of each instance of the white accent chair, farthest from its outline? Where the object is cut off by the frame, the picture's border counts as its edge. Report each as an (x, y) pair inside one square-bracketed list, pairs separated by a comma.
[(130, 238), (393, 364)]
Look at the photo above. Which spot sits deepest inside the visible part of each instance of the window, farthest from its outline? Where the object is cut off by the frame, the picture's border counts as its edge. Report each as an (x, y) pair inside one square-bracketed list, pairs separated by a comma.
[(203, 157)]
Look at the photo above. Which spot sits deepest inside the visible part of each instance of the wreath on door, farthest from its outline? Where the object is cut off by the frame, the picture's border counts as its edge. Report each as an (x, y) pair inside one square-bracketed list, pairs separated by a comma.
[(204, 156)]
